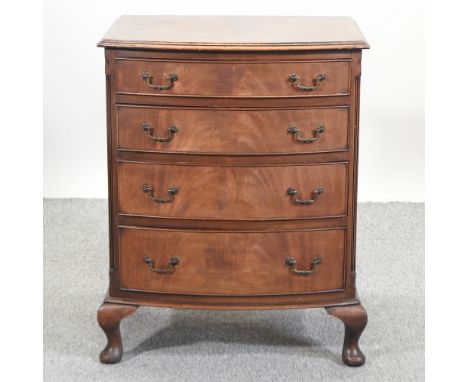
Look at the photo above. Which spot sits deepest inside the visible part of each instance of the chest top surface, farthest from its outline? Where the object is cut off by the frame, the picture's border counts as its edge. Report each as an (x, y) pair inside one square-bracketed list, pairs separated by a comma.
[(234, 33)]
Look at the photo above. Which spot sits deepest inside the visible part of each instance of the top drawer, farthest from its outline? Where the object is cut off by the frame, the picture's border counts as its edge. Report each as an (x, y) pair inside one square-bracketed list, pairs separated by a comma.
[(234, 79)]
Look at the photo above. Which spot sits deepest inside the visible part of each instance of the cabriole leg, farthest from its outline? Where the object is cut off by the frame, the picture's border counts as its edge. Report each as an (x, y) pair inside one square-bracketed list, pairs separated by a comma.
[(354, 318), (109, 316)]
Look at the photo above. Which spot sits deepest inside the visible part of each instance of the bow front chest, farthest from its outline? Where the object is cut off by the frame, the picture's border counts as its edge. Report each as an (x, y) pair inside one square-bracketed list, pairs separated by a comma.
[(232, 161)]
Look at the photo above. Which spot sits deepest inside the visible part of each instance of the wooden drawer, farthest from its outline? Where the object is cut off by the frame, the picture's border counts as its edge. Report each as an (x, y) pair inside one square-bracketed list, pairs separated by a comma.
[(230, 131), (233, 79), (232, 192), (220, 263)]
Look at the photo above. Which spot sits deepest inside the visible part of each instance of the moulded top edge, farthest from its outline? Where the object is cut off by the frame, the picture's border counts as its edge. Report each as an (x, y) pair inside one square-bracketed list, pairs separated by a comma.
[(259, 33)]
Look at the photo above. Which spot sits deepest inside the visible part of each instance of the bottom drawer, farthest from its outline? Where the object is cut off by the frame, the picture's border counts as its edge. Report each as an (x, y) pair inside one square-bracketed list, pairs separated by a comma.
[(231, 263)]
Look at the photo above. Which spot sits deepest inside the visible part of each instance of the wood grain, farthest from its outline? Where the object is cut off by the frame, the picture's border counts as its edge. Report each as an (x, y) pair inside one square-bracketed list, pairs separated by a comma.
[(220, 263), (229, 131), (226, 79), (232, 224), (270, 33), (245, 193)]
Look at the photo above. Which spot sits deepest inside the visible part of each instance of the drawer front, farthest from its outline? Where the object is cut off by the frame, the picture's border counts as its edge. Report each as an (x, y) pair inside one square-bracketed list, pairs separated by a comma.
[(237, 192), (220, 263), (232, 131), (228, 79)]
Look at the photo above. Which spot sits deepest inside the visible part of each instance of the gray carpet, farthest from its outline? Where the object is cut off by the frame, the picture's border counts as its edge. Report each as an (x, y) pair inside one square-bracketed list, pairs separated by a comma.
[(184, 345)]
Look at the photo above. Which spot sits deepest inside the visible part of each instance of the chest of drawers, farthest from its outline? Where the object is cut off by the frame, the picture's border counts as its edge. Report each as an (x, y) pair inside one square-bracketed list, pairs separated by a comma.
[(232, 158)]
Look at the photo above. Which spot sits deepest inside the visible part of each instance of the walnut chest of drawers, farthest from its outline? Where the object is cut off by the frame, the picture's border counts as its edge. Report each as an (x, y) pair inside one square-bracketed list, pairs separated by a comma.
[(232, 157)]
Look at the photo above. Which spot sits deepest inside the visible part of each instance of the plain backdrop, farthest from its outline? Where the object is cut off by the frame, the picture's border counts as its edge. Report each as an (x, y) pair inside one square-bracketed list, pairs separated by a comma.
[(391, 155)]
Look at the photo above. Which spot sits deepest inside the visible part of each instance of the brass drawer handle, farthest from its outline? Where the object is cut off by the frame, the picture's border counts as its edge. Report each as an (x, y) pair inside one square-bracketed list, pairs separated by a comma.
[(149, 81), (315, 194), (294, 78), (171, 191), (296, 132), (173, 261), (291, 262), (171, 130)]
